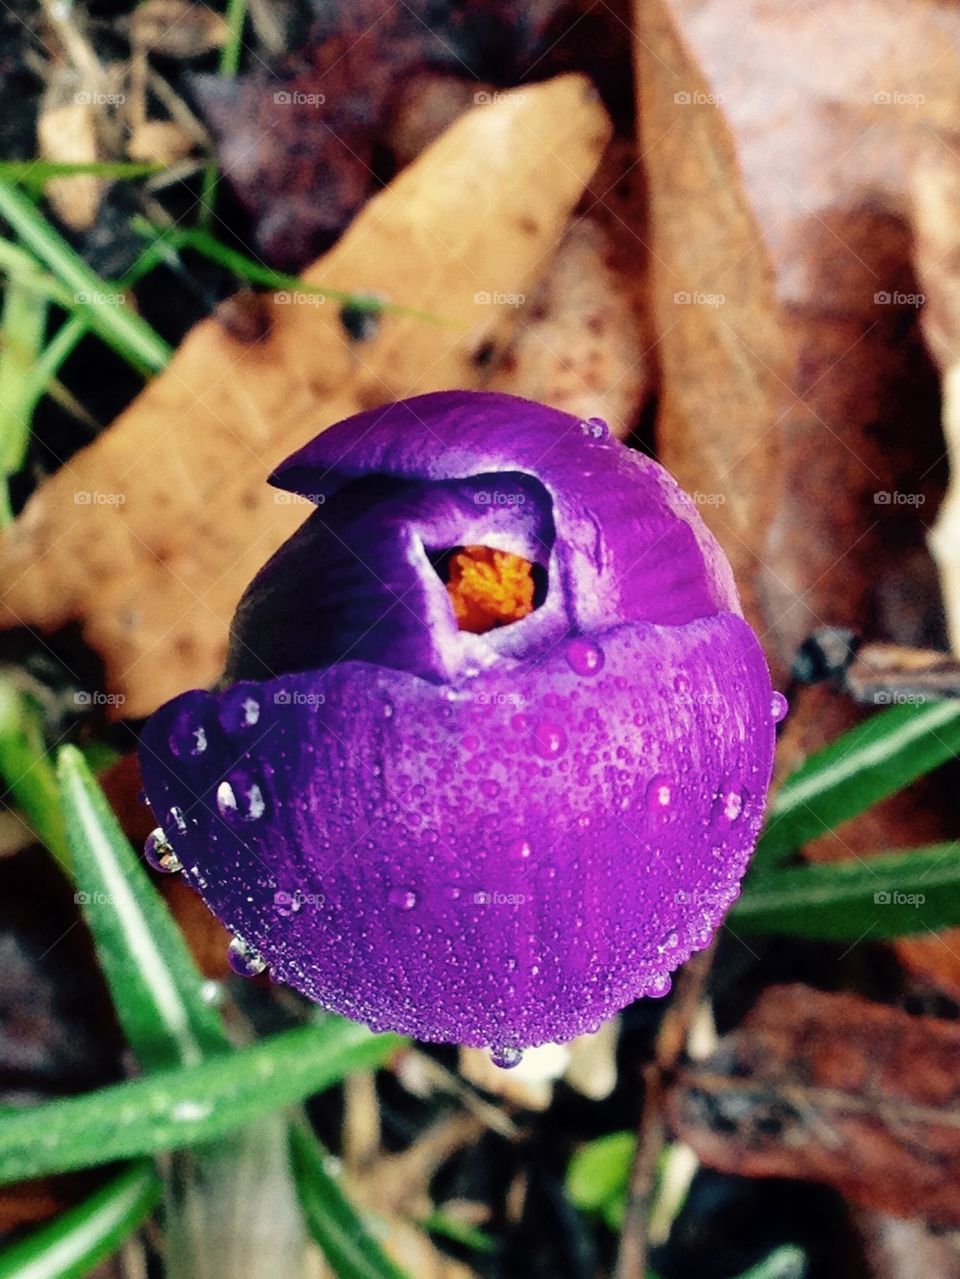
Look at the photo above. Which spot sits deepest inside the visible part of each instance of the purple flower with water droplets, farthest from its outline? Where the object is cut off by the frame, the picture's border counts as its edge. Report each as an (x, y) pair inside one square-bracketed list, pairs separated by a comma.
[(495, 740)]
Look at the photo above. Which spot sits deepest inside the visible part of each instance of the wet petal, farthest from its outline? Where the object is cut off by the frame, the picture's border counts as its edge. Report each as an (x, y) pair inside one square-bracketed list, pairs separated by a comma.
[(503, 863)]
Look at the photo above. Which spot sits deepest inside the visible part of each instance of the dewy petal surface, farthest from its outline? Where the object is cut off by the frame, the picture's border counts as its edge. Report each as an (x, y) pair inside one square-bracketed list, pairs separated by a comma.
[(630, 545), (505, 862)]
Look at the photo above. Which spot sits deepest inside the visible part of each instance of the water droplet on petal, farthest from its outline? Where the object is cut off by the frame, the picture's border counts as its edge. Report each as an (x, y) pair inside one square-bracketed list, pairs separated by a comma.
[(244, 961), (519, 847), (177, 819), (595, 428), (187, 738), (402, 898), (506, 1057), (659, 986), (387, 710), (778, 707), (159, 853), (669, 942), (659, 793), (549, 739), (584, 656), (226, 800), (682, 684)]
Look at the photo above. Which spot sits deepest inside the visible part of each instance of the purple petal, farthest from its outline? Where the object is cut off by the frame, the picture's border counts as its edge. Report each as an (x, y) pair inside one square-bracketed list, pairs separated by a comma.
[(629, 546), (507, 862)]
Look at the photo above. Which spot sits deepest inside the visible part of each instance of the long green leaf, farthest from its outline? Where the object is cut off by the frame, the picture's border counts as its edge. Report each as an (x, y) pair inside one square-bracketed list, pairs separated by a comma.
[(177, 1108), (26, 770), (873, 760), (115, 323), (156, 987), (892, 895), (332, 1220), (72, 1244)]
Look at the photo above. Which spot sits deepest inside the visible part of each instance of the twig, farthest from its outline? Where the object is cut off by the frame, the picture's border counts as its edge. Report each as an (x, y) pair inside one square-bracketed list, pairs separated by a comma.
[(668, 1052)]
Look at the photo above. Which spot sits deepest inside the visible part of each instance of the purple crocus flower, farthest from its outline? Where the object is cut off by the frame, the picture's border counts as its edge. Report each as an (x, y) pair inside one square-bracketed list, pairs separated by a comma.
[(486, 796)]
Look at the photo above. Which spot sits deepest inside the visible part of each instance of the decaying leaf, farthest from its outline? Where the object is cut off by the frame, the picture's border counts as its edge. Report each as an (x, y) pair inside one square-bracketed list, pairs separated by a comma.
[(149, 535), (836, 1089), (936, 194), (583, 343), (67, 134)]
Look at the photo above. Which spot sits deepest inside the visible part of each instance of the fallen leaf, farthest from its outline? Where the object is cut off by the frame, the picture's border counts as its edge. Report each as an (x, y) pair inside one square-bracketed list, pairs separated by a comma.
[(148, 536), (67, 134), (833, 1088), (583, 343)]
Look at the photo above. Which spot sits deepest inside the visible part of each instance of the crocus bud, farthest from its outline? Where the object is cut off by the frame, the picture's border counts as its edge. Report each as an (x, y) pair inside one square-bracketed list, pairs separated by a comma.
[(495, 740)]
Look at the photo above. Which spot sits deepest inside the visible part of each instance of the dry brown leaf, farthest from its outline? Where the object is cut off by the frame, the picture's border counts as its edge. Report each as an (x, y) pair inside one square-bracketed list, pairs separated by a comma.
[(159, 142), (583, 344), (782, 137), (720, 347), (177, 28), (833, 1088), (149, 536), (790, 138), (67, 134)]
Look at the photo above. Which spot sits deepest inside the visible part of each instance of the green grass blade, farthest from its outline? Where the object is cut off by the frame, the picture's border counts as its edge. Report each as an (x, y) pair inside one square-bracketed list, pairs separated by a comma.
[(173, 1109), (156, 987), (22, 328), (877, 758), (26, 770), (73, 1243), (890, 895), (35, 174), (788, 1262), (333, 1222), (118, 326)]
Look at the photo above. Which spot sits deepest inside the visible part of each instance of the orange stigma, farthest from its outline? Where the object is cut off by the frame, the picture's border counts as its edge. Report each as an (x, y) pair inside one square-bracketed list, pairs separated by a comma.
[(489, 588)]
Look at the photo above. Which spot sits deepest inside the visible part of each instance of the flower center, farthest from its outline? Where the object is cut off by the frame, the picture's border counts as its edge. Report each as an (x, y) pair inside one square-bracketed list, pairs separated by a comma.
[(489, 588)]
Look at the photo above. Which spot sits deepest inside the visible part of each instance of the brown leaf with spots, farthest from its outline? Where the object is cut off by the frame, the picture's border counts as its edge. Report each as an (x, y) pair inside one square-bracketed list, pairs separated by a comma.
[(836, 1089), (149, 536)]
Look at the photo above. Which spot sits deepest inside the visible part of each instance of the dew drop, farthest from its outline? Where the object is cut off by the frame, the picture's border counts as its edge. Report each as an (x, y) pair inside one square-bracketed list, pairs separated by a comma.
[(595, 428), (730, 803), (187, 739), (669, 942), (387, 710), (778, 707), (226, 800), (682, 684), (159, 853), (244, 961), (402, 898), (519, 847), (659, 793), (177, 819), (549, 739), (584, 657), (506, 1057), (659, 986)]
